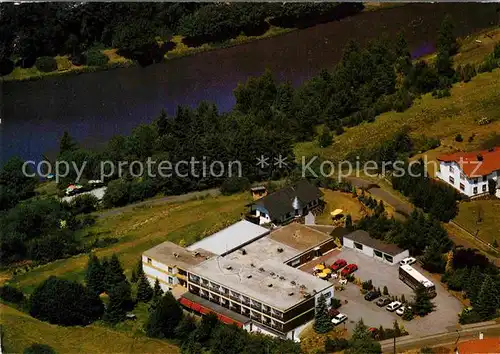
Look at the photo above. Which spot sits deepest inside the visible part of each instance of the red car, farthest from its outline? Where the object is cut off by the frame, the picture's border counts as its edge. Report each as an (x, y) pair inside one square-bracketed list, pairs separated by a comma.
[(339, 264), (349, 269)]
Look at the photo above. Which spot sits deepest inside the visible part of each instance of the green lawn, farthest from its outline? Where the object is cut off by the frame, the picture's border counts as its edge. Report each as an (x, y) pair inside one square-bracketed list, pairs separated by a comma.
[(21, 330), (488, 211), (142, 228)]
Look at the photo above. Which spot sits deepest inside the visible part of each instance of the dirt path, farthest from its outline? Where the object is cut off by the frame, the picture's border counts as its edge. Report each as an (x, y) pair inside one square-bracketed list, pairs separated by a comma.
[(163, 200)]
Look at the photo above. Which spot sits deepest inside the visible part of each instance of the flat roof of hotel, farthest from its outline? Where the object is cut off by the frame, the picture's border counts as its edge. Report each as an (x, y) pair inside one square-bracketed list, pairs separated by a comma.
[(299, 236), (230, 238), (260, 265), (173, 255)]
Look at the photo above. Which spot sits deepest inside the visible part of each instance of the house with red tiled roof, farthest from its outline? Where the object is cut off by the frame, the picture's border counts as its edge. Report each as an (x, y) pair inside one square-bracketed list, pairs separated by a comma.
[(477, 346), (469, 172)]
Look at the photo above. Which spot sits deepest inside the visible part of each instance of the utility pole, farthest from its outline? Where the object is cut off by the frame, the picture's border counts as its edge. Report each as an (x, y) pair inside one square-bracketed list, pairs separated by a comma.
[(394, 344)]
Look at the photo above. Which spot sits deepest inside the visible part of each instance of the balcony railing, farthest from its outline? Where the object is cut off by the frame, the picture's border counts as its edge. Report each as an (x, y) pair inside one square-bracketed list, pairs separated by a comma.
[(256, 317), (277, 315), (279, 327), (257, 307), (235, 298), (194, 280), (266, 310)]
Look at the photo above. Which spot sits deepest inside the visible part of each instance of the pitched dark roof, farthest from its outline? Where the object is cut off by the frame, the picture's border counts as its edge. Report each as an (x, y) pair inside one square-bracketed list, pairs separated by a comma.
[(281, 202), (363, 237)]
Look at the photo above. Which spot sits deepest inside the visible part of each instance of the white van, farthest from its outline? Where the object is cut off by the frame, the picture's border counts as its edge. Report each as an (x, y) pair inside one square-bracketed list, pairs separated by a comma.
[(407, 261)]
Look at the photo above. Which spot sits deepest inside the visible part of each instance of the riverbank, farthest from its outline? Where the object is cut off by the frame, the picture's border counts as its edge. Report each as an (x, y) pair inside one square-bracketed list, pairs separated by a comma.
[(180, 50)]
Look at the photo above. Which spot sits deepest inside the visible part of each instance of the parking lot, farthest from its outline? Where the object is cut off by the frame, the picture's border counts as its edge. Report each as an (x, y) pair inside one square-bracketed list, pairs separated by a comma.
[(444, 318)]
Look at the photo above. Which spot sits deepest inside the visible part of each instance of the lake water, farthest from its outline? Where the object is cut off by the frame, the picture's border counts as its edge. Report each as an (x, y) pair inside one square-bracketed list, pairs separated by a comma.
[(93, 107)]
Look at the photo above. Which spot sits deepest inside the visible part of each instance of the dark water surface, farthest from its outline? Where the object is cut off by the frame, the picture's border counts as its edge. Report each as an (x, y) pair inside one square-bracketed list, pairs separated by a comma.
[(93, 107)]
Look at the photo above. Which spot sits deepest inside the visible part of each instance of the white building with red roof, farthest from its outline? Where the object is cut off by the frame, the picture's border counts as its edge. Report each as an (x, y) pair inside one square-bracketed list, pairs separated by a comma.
[(469, 172)]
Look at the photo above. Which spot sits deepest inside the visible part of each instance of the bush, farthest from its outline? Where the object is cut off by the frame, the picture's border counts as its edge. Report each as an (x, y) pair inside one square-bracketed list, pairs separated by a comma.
[(37, 348), (367, 285), (96, 58), (64, 302), (78, 59), (46, 64), (335, 303), (459, 138), (6, 66), (85, 203), (11, 294), (234, 185), (333, 345)]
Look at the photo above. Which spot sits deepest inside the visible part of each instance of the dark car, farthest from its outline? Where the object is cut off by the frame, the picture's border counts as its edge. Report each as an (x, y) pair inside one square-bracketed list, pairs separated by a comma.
[(339, 264), (333, 313), (385, 300), (350, 268), (373, 332), (372, 295)]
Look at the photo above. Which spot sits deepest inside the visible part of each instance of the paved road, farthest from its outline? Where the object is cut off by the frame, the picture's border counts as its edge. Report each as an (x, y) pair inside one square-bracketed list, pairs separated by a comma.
[(162, 200), (489, 329)]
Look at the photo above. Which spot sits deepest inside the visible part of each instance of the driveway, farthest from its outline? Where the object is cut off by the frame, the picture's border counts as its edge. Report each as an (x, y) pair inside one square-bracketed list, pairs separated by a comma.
[(158, 201), (443, 319)]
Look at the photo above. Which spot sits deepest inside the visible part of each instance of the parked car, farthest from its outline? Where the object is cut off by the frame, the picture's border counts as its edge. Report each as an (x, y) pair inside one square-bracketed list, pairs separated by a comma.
[(393, 306), (339, 264), (373, 332), (339, 319), (401, 310), (333, 312), (383, 301), (372, 295), (407, 261), (350, 268)]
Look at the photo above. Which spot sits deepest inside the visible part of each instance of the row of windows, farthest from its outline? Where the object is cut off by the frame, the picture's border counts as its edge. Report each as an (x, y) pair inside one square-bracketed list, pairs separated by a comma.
[(170, 269), (233, 295)]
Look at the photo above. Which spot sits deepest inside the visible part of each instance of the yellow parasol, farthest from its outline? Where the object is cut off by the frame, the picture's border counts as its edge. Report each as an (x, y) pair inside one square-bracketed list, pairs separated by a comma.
[(322, 275), (319, 267), (327, 270), (336, 212)]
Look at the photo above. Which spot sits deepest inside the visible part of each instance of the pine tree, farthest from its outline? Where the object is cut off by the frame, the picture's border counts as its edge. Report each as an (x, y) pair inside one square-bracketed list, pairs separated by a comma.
[(120, 301), (348, 222), (362, 342), (66, 143), (403, 299), (94, 276), (422, 302), (144, 290), (185, 327), (446, 41), (325, 139), (449, 262), (397, 330), (385, 291), (138, 269), (157, 290), (134, 278), (322, 322), (407, 314), (114, 273), (487, 300), (164, 318)]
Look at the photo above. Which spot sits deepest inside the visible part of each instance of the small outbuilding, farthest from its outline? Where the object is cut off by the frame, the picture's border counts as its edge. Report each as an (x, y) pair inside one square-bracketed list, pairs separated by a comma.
[(361, 241)]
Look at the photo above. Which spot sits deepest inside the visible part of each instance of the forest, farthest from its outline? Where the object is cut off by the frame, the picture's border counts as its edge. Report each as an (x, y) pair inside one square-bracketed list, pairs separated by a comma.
[(140, 31), (268, 119)]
